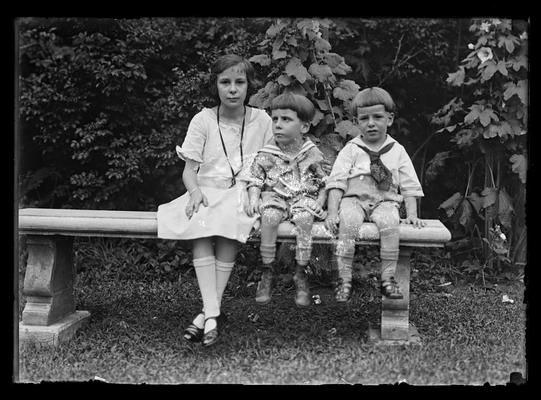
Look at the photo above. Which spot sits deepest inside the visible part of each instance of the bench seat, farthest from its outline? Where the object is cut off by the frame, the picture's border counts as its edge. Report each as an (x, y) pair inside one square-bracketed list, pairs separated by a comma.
[(143, 224)]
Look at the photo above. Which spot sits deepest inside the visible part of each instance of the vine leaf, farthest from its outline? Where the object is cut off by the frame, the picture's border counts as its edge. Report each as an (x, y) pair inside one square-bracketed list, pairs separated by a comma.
[(333, 60), (473, 114), (522, 91), (318, 116), (279, 54), (505, 209), (321, 72), (322, 104), (342, 69), (476, 201), (519, 166), (508, 41), (261, 59), (345, 128), (435, 164), (488, 71), (292, 40), (486, 115), (457, 78), (284, 80), (346, 90), (322, 45), (276, 28), (295, 68), (502, 68), (465, 213), (451, 203), (510, 90), (489, 196)]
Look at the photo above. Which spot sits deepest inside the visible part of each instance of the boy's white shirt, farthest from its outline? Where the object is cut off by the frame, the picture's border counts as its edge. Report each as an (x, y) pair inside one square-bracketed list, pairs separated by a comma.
[(352, 161)]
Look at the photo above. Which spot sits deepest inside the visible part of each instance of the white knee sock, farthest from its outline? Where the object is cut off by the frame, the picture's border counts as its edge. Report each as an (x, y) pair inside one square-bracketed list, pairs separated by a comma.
[(223, 271), (345, 267), (205, 270)]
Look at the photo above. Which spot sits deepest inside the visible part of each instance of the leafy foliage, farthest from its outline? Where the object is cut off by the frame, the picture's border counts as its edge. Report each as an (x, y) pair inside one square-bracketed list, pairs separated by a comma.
[(487, 121), (103, 103), (298, 58)]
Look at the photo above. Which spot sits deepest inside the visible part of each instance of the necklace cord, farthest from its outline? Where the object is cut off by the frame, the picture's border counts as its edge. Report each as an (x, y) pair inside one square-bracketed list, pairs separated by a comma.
[(233, 181)]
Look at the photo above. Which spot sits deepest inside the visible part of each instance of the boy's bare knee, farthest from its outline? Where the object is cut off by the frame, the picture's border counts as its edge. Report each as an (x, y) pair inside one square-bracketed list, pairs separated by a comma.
[(350, 223), (386, 216), (387, 221), (303, 218), (271, 216)]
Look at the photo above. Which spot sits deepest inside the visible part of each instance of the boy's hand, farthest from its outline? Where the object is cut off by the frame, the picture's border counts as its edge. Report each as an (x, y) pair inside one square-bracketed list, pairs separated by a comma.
[(416, 222), (327, 166), (196, 199), (318, 210), (332, 221)]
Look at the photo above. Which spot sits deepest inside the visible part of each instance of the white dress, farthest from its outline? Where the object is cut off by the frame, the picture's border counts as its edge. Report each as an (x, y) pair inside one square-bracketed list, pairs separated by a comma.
[(224, 216)]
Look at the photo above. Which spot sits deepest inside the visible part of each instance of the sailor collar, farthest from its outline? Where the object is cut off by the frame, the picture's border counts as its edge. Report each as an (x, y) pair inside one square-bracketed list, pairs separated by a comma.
[(274, 149)]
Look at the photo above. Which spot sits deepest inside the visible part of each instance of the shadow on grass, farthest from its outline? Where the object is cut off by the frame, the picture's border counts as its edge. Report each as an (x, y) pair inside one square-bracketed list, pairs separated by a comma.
[(134, 335)]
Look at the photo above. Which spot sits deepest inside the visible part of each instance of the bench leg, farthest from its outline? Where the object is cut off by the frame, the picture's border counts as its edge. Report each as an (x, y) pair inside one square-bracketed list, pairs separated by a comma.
[(395, 327), (49, 316)]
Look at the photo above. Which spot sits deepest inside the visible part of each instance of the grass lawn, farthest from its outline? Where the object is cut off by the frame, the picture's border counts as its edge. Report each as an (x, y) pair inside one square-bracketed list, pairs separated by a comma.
[(469, 336)]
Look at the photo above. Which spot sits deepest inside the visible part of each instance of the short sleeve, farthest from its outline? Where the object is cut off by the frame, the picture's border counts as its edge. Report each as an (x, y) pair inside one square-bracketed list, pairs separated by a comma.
[(408, 181), (195, 139), (341, 169), (269, 136)]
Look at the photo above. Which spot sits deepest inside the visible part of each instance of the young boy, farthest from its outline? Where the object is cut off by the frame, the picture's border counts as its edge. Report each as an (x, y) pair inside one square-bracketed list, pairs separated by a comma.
[(370, 178), (287, 181)]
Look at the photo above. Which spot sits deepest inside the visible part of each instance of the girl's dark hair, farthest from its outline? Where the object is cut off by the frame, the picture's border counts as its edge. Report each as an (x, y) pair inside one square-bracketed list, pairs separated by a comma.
[(296, 102), (372, 97), (227, 61)]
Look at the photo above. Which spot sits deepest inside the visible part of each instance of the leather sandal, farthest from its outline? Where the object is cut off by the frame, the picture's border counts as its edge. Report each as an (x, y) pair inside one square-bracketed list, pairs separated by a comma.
[(343, 291), (390, 289), (302, 295), (211, 337), (192, 333)]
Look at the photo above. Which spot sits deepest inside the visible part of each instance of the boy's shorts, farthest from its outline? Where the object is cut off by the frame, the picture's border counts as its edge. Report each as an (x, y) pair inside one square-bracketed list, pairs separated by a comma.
[(365, 194), (289, 208), (351, 205)]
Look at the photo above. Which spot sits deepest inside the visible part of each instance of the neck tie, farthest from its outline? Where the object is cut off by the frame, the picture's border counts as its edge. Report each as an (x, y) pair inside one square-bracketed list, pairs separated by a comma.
[(378, 170)]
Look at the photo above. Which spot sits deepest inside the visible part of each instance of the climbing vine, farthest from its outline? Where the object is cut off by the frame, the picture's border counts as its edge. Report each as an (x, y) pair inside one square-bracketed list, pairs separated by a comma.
[(297, 57), (487, 121)]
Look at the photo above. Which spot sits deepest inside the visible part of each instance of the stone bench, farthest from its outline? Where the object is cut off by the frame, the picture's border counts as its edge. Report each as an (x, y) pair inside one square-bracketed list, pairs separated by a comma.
[(50, 317)]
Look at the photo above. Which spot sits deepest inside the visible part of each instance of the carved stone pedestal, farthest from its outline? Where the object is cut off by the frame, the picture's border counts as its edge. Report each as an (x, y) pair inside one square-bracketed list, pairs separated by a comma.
[(395, 327), (49, 315), (54, 334)]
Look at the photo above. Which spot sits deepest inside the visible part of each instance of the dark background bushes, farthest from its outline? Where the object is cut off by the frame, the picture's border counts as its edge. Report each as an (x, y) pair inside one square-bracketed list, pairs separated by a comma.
[(103, 102)]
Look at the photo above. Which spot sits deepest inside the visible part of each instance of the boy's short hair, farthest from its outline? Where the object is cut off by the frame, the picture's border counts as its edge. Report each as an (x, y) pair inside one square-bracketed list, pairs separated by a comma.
[(373, 96), (227, 61), (296, 102)]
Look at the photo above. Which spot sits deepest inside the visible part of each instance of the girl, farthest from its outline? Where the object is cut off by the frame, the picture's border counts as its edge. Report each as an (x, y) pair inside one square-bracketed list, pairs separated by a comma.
[(220, 143)]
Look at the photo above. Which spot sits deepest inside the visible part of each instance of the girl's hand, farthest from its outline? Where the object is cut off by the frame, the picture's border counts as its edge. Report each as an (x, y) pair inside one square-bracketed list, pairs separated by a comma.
[(331, 222), (416, 222), (252, 207), (196, 199)]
